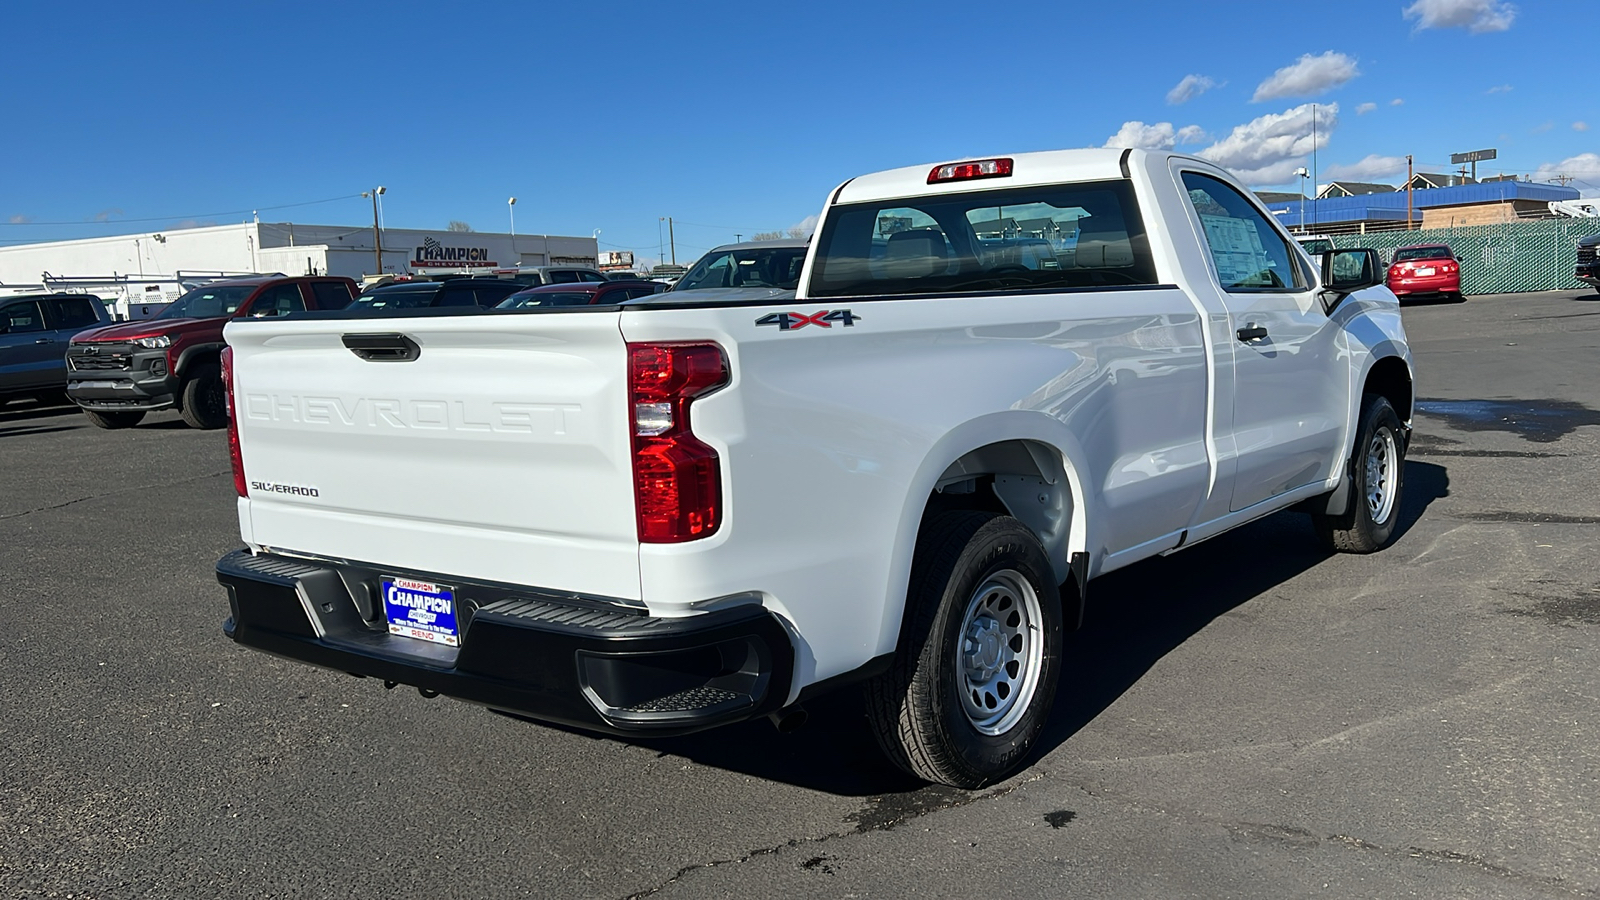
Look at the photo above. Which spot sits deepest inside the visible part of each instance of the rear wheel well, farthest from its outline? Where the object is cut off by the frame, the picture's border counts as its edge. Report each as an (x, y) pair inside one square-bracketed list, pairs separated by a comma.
[(1022, 479), (1389, 378)]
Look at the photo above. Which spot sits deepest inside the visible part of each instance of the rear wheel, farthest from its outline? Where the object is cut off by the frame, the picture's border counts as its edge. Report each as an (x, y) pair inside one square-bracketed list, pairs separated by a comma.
[(204, 404), (980, 654), (113, 420), (1377, 479)]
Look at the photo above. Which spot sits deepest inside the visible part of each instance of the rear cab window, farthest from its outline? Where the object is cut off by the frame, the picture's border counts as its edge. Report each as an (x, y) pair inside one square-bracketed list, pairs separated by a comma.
[(1052, 237)]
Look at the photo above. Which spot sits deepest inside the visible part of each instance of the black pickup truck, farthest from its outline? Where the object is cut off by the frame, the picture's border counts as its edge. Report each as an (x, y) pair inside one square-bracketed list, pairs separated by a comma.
[(1588, 270)]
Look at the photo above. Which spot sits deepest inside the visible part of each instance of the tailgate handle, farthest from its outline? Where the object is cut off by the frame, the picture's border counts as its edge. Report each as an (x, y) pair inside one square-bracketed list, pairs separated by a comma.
[(389, 347)]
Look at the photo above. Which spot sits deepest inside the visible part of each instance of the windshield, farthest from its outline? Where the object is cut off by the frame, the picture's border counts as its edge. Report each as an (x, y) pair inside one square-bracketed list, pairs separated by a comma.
[(529, 300), (1422, 253), (208, 302), (411, 299), (777, 267)]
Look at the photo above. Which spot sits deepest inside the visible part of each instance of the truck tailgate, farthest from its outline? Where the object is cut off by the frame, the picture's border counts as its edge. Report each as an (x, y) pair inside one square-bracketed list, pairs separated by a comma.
[(500, 452)]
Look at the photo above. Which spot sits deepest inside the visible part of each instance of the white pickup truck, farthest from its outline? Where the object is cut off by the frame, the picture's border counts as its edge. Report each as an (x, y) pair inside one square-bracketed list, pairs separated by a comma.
[(698, 508)]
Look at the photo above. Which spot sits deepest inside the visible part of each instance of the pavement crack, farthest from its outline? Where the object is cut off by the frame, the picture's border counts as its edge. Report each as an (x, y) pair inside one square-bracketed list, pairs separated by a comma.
[(104, 494), (1501, 515), (1301, 838)]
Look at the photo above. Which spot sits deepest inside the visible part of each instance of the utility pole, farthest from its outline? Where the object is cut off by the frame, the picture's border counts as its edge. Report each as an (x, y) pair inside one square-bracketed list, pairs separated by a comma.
[(672, 242), (377, 234), (1313, 167), (1409, 176), (738, 238)]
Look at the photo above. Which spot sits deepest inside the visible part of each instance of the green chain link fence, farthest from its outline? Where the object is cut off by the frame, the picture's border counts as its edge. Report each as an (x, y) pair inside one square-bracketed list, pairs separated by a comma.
[(1508, 258)]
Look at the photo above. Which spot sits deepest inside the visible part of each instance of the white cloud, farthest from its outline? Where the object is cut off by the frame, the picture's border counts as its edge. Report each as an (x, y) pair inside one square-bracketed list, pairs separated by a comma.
[(1580, 126), (1477, 16), (1365, 108), (1307, 77), (20, 219), (1371, 168), (1583, 167), (803, 228), (1499, 89), (1542, 128), (1194, 134), (1268, 149), (1397, 102), (1189, 88), (1139, 136)]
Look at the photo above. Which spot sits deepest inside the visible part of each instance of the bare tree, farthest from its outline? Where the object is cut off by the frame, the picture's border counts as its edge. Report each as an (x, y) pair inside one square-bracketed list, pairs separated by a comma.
[(798, 231), (457, 225), (766, 236)]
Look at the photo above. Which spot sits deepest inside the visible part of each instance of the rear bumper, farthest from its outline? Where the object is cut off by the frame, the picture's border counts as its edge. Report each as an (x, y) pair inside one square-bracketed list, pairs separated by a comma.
[(1444, 284), (576, 661)]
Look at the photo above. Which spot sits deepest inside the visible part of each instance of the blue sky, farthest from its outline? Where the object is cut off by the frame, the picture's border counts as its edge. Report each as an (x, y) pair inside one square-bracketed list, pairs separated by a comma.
[(736, 118)]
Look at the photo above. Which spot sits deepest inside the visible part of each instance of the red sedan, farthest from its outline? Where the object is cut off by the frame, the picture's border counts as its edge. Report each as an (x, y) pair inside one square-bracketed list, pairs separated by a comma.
[(1425, 270)]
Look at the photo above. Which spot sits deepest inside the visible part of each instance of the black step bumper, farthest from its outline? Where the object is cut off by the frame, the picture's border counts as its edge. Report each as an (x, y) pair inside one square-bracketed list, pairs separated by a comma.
[(577, 661)]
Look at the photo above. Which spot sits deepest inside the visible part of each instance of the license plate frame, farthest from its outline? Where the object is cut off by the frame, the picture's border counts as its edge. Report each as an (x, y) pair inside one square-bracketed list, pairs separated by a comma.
[(1427, 271), (421, 610)]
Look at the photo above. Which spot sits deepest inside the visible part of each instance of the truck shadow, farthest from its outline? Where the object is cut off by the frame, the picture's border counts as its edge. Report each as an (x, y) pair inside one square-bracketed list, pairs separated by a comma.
[(38, 418), (1136, 616)]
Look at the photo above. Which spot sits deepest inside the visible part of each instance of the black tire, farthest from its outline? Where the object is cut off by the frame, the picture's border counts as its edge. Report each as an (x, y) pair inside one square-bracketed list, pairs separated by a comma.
[(52, 398), (1377, 468), (113, 420), (1458, 297), (204, 403), (958, 709)]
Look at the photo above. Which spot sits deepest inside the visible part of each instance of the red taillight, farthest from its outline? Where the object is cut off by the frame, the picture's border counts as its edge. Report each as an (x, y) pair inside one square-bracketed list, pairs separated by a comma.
[(677, 484), (967, 171), (239, 485)]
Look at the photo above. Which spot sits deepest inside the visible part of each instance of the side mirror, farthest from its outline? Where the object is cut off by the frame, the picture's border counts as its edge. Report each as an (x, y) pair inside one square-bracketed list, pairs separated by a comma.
[(1346, 271)]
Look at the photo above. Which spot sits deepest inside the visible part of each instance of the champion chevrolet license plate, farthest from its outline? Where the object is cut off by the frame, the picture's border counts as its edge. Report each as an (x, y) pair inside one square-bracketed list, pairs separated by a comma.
[(421, 610)]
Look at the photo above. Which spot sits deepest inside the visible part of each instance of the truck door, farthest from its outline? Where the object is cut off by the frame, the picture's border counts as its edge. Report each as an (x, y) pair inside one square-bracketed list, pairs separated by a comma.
[(1291, 379), (29, 353)]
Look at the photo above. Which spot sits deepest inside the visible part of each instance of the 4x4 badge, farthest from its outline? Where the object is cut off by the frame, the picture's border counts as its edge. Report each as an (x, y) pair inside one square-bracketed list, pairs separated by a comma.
[(825, 318)]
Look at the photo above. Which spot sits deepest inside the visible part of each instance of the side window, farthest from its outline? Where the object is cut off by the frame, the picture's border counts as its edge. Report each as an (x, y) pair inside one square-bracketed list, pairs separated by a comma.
[(561, 276), (490, 295), (20, 318), (1248, 252), (462, 296), (277, 301), (591, 276), (73, 312), (331, 294)]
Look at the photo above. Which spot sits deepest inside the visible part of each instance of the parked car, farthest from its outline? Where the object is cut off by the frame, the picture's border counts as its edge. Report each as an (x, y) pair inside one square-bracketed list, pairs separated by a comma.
[(119, 373), (533, 276), (34, 332), (768, 264), (663, 516), (1425, 270), (589, 293), (1588, 270), (483, 293)]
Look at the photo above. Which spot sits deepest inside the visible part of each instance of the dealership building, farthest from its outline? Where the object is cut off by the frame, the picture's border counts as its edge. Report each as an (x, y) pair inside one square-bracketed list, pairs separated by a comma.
[(154, 265)]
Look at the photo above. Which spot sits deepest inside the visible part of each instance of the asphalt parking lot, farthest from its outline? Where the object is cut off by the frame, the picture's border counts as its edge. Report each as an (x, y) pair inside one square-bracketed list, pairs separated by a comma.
[(1249, 718)]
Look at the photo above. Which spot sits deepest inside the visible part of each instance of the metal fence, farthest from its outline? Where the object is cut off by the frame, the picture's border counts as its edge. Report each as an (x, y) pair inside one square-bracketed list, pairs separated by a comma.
[(1507, 258)]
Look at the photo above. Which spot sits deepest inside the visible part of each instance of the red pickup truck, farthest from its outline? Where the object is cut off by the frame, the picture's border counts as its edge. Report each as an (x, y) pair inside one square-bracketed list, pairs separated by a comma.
[(118, 373)]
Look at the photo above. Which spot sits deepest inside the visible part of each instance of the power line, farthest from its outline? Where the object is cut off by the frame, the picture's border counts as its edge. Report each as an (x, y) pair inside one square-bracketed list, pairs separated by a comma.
[(231, 212)]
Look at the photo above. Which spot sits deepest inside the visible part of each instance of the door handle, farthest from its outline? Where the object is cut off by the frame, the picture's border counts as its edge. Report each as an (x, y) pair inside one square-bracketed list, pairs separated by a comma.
[(45, 341), (1252, 332)]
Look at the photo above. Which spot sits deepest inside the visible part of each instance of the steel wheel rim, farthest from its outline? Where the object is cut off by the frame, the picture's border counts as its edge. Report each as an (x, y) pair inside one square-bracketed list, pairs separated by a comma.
[(999, 652), (1383, 475)]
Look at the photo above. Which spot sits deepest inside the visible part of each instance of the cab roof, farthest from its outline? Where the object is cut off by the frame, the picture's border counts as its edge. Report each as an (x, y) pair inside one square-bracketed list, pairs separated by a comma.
[(1028, 170)]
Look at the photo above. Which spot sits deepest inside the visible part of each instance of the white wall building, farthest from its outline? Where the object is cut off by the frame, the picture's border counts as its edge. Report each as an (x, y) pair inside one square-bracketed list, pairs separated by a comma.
[(290, 248)]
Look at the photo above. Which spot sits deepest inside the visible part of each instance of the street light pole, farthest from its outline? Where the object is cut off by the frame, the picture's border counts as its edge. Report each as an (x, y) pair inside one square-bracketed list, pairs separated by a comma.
[(511, 210), (377, 233)]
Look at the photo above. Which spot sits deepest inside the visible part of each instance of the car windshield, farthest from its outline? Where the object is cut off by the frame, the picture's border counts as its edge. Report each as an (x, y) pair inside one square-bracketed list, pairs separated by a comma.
[(531, 299), (776, 267), (208, 302), (1422, 253), (406, 299)]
